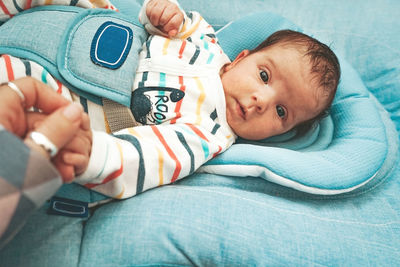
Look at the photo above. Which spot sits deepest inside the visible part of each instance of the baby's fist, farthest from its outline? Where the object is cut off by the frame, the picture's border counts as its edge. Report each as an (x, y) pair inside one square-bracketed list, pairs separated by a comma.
[(165, 15)]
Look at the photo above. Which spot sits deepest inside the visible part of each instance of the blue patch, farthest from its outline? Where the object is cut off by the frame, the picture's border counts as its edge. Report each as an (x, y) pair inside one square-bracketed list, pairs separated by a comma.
[(111, 45)]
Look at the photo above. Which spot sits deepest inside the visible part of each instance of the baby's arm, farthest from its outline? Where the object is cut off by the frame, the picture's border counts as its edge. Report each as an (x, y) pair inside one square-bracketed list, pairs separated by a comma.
[(144, 157)]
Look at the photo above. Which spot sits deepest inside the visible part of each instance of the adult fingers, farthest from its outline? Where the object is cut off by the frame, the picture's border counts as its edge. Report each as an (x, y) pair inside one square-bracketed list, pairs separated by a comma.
[(34, 119), (39, 95), (62, 125)]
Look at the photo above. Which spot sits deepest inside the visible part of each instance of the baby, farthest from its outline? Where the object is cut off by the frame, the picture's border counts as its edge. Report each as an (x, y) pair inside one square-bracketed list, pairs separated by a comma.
[(288, 81)]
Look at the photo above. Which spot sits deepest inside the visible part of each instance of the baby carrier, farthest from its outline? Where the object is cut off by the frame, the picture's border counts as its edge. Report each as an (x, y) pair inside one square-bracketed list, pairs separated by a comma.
[(94, 52)]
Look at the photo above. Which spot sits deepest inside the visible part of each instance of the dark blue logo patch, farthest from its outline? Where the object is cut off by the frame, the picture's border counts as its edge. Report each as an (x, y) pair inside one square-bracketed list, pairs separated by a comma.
[(111, 45)]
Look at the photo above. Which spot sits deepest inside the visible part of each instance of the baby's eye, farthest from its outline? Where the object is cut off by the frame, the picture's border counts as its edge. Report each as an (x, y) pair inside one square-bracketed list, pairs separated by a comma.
[(264, 76), (281, 111)]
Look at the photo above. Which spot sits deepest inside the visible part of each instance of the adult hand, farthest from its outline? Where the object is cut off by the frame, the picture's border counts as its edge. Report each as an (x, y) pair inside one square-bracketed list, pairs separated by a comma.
[(59, 120), (58, 127), (13, 108)]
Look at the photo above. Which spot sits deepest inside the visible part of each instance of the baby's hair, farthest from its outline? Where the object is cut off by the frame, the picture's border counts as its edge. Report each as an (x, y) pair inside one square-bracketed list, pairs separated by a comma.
[(324, 64)]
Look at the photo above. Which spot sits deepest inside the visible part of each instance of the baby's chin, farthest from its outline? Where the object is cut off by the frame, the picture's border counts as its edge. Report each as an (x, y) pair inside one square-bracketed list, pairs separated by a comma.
[(248, 134)]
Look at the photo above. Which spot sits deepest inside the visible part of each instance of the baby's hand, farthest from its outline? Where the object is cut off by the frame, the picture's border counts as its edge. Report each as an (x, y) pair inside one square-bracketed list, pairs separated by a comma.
[(165, 15), (73, 158)]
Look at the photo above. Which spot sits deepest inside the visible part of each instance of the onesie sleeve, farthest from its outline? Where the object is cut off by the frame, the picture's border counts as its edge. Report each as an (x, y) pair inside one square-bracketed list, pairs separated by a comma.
[(137, 159)]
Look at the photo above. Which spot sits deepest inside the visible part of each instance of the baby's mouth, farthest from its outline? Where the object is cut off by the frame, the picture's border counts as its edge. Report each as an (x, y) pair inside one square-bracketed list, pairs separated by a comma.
[(240, 110)]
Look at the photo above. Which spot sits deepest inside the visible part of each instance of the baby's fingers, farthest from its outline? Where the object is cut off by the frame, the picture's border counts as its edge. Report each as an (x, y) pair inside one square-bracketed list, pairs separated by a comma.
[(165, 15), (79, 161), (173, 25), (66, 171), (154, 10)]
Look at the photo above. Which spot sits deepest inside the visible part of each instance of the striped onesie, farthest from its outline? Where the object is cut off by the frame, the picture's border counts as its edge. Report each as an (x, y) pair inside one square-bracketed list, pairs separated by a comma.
[(183, 112)]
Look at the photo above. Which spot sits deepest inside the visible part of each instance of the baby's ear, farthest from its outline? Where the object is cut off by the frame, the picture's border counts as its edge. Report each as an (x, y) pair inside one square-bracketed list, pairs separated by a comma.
[(239, 57)]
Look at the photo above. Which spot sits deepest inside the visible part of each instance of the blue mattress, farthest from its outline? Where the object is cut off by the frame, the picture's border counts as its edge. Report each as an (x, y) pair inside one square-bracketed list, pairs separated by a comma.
[(270, 202)]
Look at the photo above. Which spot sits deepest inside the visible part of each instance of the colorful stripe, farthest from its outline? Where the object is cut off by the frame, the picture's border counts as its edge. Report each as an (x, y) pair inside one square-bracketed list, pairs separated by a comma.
[(214, 114), (205, 43), (119, 196), (148, 42), (28, 68), (162, 82), (106, 124), (193, 29), (179, 104), (197, 133), (201, 99), (215, 129), (142, 171), (59, 87), (188, 149), (170, 153), (160, 167), (44, 76), (216, 153), (203, 139), (17, 7), (195, 56), (133, 132), (84, 104), (112, 175), (4, 8), (182, 49), (104, 164), (161, 93), (184, 26), (10, 71), (165, 47), (28, 4), (210, 58), (144, 78)]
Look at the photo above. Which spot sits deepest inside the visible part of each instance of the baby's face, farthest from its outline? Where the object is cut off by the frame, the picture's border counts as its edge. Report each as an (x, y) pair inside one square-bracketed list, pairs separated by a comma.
[(269, 92)]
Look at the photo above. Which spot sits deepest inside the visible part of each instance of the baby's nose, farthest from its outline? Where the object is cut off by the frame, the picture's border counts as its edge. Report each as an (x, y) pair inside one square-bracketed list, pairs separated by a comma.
[(263, 101)]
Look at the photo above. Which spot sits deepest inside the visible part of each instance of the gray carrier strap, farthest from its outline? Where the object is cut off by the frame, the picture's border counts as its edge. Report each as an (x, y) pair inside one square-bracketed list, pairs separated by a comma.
[(118, 116)]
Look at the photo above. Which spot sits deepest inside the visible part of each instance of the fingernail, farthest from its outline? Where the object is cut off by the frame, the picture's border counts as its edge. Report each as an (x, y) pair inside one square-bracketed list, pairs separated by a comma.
[(73, 111)]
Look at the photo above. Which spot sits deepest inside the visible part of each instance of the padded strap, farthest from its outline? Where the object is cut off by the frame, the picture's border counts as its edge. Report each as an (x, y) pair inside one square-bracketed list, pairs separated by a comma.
[(118, 116), (94, 52)]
